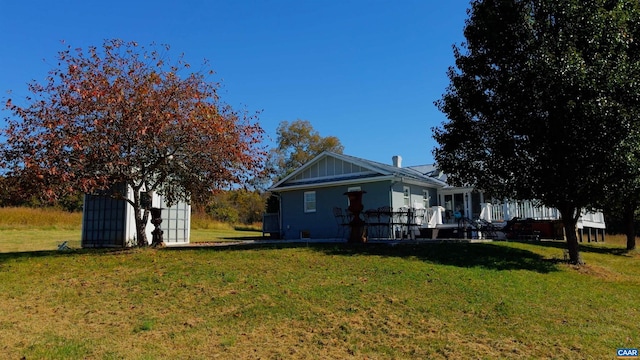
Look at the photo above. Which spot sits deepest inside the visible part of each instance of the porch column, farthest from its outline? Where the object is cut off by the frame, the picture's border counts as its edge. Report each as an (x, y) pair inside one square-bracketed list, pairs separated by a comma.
[(486, 212), (467, 205), (436, 217)]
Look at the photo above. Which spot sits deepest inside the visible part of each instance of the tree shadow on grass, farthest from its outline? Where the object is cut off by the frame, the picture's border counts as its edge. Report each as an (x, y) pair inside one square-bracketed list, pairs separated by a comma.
[(467, 255), (17, 255), (593, 247), (244, 238)]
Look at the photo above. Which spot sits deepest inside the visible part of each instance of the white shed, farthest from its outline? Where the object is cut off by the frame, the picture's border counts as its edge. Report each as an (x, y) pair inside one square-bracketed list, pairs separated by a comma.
[(108, 222)]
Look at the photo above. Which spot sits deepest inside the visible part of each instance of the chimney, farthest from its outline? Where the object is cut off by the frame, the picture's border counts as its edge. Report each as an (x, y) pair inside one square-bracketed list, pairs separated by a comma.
[(397, 161)]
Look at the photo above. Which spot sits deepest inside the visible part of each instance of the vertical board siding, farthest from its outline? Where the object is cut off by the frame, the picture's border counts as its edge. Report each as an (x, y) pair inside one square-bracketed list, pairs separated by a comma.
[(329, 167), (322, 168), (176, 223), (104, 220)]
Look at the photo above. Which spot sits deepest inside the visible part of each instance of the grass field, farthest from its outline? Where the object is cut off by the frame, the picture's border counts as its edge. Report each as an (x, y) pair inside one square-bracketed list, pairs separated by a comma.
[(29, 229), (438, 301), (502, 300)]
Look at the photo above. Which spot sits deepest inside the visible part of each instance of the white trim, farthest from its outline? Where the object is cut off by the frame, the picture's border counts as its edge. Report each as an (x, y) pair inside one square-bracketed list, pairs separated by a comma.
[(430, 182), (349, 175)]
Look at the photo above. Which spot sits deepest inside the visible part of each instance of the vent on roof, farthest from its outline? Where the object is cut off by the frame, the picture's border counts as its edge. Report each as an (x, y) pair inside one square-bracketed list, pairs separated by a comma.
[(397, 161)]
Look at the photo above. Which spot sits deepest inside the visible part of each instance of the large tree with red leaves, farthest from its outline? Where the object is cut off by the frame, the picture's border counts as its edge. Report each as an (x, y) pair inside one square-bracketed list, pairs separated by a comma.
[(122, 114)]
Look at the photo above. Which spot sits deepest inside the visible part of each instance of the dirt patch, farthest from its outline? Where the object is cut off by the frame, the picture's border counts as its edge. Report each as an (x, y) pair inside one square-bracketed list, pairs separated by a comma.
[(599, 272)]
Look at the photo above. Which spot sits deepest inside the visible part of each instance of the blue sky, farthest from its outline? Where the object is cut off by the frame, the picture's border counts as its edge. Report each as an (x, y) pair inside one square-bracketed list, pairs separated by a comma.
[(365, 71)]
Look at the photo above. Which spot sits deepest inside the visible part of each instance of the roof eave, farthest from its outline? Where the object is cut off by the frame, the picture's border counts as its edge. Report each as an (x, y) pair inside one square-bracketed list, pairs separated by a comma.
[(331, 183)]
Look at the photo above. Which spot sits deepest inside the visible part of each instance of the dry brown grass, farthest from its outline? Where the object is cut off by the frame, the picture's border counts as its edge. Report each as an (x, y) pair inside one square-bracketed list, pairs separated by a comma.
[(39, 218), (200, 220), (618, 240)]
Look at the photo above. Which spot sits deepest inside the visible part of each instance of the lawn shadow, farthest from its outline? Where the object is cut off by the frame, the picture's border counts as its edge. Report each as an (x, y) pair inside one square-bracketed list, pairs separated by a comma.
[(16, 255), (468, 255), (244, 238), (482, 255), (593, 247)]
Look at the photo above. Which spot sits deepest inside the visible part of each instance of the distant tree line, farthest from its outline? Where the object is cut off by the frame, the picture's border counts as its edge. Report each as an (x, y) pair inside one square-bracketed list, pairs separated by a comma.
[(13, 194), (239, 206)]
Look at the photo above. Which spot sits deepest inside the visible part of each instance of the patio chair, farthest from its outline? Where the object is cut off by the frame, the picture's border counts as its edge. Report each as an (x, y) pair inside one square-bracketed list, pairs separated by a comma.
[(342, 221), (385, 216), (487, 229), (418, 219), (400, 222), (371, 219), (418, 216)]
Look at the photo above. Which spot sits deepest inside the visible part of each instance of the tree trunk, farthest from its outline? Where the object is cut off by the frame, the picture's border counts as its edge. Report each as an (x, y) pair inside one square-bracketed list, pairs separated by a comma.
[(629, 225), (569, 221), (142, 217), (141, 226)]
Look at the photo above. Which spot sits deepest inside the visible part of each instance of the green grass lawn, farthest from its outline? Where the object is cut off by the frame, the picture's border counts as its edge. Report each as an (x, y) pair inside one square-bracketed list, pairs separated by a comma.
[(498, 300)]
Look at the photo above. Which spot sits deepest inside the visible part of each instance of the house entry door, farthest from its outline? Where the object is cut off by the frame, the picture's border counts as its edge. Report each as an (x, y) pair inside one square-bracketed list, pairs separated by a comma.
[(453, 203)]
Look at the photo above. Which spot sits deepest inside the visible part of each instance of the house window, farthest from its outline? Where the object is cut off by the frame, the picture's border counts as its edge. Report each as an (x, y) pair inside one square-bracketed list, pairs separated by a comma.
[(310, 201), (425, 198), (406, 196)]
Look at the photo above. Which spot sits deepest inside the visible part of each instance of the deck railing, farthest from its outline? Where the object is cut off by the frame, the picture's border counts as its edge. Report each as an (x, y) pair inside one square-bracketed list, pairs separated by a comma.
[(500, 212), (591, 217)]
